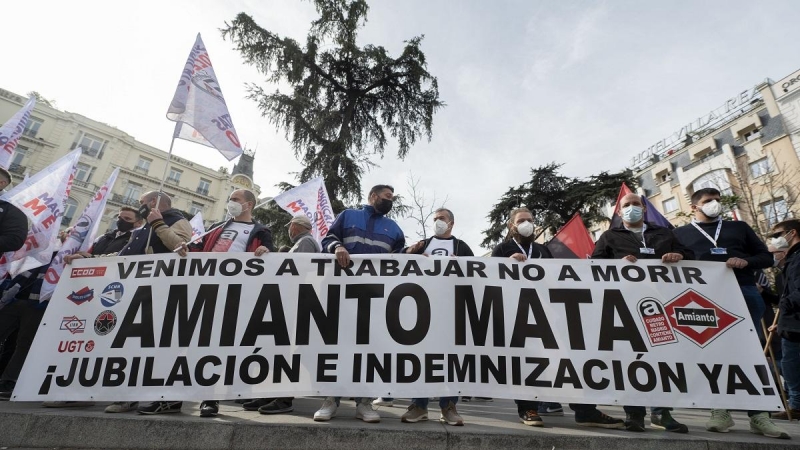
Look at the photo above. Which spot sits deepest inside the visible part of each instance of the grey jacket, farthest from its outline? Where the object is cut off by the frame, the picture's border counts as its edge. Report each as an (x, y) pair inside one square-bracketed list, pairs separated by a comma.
[(305, 243)]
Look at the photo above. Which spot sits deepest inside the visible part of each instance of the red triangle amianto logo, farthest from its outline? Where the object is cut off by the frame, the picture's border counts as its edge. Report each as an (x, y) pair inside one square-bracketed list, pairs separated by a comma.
[(699, 319)]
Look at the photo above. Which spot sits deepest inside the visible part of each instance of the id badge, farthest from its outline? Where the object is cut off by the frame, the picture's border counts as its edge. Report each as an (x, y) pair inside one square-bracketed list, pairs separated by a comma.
[(647, 251), (719, 251)]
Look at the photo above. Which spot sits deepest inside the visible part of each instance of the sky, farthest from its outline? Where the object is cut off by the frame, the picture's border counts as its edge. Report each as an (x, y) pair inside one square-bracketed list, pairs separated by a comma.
[(585, 84)]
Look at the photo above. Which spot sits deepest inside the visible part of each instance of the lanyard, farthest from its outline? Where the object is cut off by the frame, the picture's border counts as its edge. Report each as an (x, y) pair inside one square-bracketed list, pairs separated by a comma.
[(644, 228), (716, 235), (530, 248)]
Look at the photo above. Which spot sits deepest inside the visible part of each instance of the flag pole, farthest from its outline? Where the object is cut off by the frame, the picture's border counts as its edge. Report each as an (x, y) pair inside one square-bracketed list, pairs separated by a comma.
[(163, 179)]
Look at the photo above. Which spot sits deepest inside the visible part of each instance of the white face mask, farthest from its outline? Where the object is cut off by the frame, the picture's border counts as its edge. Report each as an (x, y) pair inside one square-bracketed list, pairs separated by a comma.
[(632, 214), (712, 209), (234, 208), (525, 229), (779, 243), (440, 227)]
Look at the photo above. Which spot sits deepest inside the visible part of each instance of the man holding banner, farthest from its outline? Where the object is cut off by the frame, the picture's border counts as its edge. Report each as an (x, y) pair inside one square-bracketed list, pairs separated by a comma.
[(443, 244), (739, 247), (520, 246), (362, 231), (112, 242), (238, 234), (632, 240)]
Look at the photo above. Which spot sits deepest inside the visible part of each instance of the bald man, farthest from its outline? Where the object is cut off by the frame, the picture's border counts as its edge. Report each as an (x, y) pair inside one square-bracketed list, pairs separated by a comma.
[(633, 240)]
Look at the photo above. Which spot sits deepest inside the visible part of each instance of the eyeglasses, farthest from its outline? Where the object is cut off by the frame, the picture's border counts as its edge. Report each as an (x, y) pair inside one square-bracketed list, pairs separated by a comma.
[(778, 234)]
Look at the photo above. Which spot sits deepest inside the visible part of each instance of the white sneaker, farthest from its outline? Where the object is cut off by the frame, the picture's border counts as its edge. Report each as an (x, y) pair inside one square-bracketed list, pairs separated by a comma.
[(365, 412), (122, 407), (327, 410), (380, 401)]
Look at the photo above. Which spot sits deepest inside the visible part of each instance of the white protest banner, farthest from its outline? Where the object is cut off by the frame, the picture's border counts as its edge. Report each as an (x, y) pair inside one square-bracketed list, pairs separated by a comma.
[(199, 106), (221, 326), (311, 200), (80, 238), (11, 131), (42, 198), (198, 228)]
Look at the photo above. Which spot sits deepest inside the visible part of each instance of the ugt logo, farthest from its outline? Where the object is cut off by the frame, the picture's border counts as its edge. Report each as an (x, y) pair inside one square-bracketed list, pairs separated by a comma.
[(699, 319)]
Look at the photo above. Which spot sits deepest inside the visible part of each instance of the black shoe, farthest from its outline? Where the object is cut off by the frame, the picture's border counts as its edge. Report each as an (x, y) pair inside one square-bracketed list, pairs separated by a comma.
[(466, 399), (277, 406), (254, 405), (531, 418), (242, 401), (6, 389), (482, 399), (664, 421), (595, 418), (160, 408), (634, 422), (209, 408)]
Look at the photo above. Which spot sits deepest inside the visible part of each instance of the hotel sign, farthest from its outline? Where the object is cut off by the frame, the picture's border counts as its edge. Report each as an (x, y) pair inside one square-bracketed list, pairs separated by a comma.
[(734, 106)]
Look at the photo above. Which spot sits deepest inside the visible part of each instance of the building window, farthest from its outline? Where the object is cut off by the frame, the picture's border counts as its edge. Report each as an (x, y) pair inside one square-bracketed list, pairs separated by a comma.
[(775, 211), (132, 192), (195, 208), (752, 134), (760, 167), (32, 127), (174, 175), (669, 205), (143, 165), (92, 145), (69, 211), (717, 179), (84, 172), (203, 187), (19, 155), (663, 177)]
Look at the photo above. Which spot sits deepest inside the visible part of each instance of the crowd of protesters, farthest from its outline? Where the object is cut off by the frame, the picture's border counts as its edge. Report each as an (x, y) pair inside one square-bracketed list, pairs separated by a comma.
[(159, 228)]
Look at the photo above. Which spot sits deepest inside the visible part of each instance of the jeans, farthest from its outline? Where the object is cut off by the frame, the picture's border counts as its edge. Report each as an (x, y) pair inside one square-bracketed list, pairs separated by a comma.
[(443, 402), (756, 308), (25, 315), (790, 365)]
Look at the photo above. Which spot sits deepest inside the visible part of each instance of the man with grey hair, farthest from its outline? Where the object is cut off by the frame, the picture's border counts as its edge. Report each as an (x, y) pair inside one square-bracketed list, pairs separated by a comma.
[(441, 244)]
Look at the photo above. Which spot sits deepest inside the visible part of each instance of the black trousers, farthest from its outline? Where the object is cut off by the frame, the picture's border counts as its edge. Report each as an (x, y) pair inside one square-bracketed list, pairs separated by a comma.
[(25, 316)]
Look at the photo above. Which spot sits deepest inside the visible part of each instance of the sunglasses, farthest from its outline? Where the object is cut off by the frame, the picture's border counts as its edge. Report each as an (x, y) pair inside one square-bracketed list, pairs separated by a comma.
[(778, 234)]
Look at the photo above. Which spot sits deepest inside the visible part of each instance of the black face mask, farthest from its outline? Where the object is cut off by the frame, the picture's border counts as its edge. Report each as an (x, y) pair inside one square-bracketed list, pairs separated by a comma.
[(124, 226), (383, 206)]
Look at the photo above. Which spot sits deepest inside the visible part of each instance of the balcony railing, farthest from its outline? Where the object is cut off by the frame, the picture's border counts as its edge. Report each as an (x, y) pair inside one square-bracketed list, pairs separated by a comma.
[(141, 169), (202, 191), (16, 168), (702, 160), (130, 201), (174, 181)]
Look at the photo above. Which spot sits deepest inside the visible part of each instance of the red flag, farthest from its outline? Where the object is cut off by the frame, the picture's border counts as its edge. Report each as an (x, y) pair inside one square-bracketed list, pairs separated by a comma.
[(572, 240)]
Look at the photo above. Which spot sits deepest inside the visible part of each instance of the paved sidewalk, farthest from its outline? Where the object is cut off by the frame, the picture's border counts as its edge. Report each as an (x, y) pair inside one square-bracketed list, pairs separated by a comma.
[(489, 425)]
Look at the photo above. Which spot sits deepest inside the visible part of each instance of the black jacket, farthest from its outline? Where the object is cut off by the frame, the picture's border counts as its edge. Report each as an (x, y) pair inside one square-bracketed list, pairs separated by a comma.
[(510, 247), (789, 320), (137, 244), (618, 242), (460, 248), (739, 240), (13, 227), (110, 243)]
